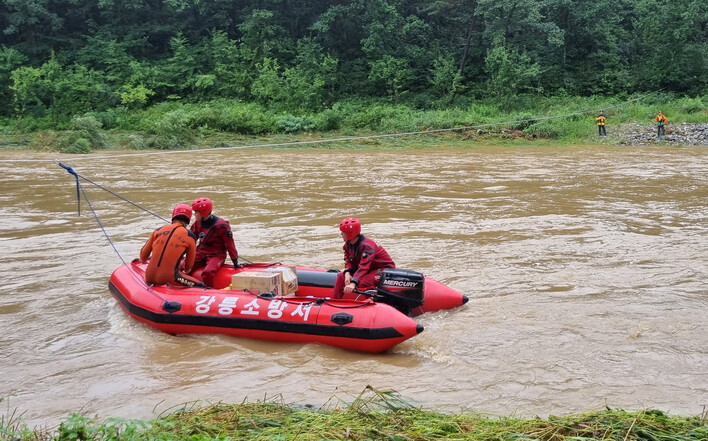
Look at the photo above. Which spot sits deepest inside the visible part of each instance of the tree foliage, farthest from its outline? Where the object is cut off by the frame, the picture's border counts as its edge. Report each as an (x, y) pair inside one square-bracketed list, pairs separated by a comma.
[(61, 58)]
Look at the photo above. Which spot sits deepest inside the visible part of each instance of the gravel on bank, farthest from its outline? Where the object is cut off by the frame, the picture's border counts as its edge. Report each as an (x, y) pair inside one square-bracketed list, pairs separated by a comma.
[(644, 134)]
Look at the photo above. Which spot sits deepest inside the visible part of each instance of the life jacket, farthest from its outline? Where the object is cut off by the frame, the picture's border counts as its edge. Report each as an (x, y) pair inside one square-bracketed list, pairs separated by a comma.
[(365, 256), (168, 245), (215, 238)]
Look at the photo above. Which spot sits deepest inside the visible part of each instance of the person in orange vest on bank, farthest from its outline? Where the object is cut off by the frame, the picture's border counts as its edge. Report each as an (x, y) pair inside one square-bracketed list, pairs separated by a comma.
[(660, 121), (601, 124)]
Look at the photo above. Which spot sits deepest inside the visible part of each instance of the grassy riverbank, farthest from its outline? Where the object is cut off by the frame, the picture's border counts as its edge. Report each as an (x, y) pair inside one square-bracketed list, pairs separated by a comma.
[(374, 415), (175, 125)]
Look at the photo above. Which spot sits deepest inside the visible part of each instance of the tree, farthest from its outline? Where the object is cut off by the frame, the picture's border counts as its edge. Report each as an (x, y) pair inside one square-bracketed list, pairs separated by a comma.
[(31, 22), (456, 22), (265, 35), (61, 92), (231, 70), (673, 45), (395, 48), (594, 55), (446, 79), (510, 71), (10, 59)]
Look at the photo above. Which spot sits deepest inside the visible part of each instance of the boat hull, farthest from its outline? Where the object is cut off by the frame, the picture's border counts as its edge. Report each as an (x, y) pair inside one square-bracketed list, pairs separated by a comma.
[(363, 326)]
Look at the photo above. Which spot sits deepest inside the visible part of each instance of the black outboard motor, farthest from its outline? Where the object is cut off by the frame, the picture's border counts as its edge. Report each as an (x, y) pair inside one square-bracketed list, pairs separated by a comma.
[(400, 288)]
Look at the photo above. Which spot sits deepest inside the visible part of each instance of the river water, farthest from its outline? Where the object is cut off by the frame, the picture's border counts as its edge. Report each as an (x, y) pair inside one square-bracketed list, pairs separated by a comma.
[(586, 269)]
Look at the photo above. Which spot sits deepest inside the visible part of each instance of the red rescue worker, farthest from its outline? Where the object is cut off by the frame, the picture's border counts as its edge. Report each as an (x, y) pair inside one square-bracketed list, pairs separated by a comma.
[(363, 260), (215, 240), (168, 245)]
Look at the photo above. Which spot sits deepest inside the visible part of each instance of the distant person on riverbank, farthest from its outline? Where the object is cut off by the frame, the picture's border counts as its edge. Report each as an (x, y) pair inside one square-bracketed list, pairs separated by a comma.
[(168, 245), (601, 123), (660, 121), (364, 260), (215, 240)]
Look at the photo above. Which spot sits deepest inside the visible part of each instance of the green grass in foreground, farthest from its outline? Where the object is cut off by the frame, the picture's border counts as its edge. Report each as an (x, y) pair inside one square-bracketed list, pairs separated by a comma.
[(374, 415)]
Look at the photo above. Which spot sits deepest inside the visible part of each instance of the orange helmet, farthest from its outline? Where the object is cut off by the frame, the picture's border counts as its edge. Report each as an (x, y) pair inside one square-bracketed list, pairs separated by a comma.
[(203, 206), (182, 210), (351, 226)]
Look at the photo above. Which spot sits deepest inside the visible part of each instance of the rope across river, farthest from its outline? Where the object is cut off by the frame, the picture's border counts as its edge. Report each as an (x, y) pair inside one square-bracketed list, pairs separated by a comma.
[(167, 304)]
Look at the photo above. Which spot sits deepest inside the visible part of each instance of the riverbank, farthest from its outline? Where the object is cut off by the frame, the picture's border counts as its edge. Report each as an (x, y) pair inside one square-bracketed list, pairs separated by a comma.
[(374, 415), (542, 121), (627, 134)]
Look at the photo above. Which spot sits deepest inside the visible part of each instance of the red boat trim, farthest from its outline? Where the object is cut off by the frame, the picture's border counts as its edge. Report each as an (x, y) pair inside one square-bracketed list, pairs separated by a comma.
[(264, 325)]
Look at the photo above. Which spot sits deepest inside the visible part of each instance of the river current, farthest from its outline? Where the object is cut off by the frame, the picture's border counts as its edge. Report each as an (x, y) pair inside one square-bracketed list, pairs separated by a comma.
[(586, 269)]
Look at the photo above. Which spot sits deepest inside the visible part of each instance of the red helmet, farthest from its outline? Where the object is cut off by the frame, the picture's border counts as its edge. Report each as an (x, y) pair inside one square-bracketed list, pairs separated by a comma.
[(351, 226), (203, 206), (182, 210)]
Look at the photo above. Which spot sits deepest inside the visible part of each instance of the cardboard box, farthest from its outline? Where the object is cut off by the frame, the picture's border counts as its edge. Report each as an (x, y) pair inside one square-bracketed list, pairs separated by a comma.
[(259, 281), (288, 279)]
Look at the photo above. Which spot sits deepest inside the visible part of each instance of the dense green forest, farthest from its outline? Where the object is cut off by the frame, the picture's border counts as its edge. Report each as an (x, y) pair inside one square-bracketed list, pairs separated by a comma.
[(63, 58)]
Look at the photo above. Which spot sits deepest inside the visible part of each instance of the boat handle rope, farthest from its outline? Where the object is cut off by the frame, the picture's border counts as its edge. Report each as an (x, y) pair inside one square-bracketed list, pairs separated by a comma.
[(316, 302), (78, 197), (80, 191), (77, 176)]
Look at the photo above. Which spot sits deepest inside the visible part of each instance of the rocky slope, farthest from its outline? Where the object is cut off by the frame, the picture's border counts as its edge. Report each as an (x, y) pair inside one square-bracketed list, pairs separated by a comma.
[(642, 134)]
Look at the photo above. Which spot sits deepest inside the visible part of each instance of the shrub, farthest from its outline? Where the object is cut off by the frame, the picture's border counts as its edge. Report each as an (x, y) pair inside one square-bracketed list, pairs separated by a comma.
[(173, 131), (328, 120), (81, 145), (291, 124), (248, 119), (89, 128), (67, 141), (136, 142)]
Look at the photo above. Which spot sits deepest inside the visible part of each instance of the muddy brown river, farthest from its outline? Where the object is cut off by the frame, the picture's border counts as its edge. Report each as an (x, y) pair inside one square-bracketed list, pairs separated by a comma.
[(586, 269)]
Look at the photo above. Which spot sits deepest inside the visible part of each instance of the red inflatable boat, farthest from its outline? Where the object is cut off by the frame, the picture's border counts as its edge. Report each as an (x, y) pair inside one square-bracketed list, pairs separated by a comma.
[(371, 323)]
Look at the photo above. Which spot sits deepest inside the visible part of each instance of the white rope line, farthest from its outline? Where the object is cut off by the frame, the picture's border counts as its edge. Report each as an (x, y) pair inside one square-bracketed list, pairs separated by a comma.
[(320, 141)]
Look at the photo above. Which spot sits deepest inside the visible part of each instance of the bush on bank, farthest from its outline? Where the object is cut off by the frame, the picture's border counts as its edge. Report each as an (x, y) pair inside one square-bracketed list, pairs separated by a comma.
[(374, 415), (177, 125)]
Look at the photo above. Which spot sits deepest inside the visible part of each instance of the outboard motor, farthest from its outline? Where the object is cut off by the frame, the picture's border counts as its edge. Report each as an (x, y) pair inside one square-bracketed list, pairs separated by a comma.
[(402, 289)]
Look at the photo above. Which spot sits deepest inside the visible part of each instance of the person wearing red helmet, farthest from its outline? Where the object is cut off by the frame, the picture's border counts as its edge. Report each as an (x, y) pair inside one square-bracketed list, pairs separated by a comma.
[(363, 260), (215, 240), (168, 245)]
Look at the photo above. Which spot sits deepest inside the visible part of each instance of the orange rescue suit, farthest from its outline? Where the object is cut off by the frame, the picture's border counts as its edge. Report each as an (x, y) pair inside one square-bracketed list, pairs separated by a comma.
[(167, 245)]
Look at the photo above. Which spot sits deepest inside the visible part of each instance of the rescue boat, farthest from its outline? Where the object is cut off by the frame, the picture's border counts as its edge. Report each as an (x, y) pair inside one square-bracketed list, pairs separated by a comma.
[(374, 321), (365, 326)]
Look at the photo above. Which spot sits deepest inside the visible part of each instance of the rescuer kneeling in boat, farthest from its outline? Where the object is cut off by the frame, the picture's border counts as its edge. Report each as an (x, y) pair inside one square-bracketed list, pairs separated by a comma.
[(215, 240), (168, 245), (364, 260)]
